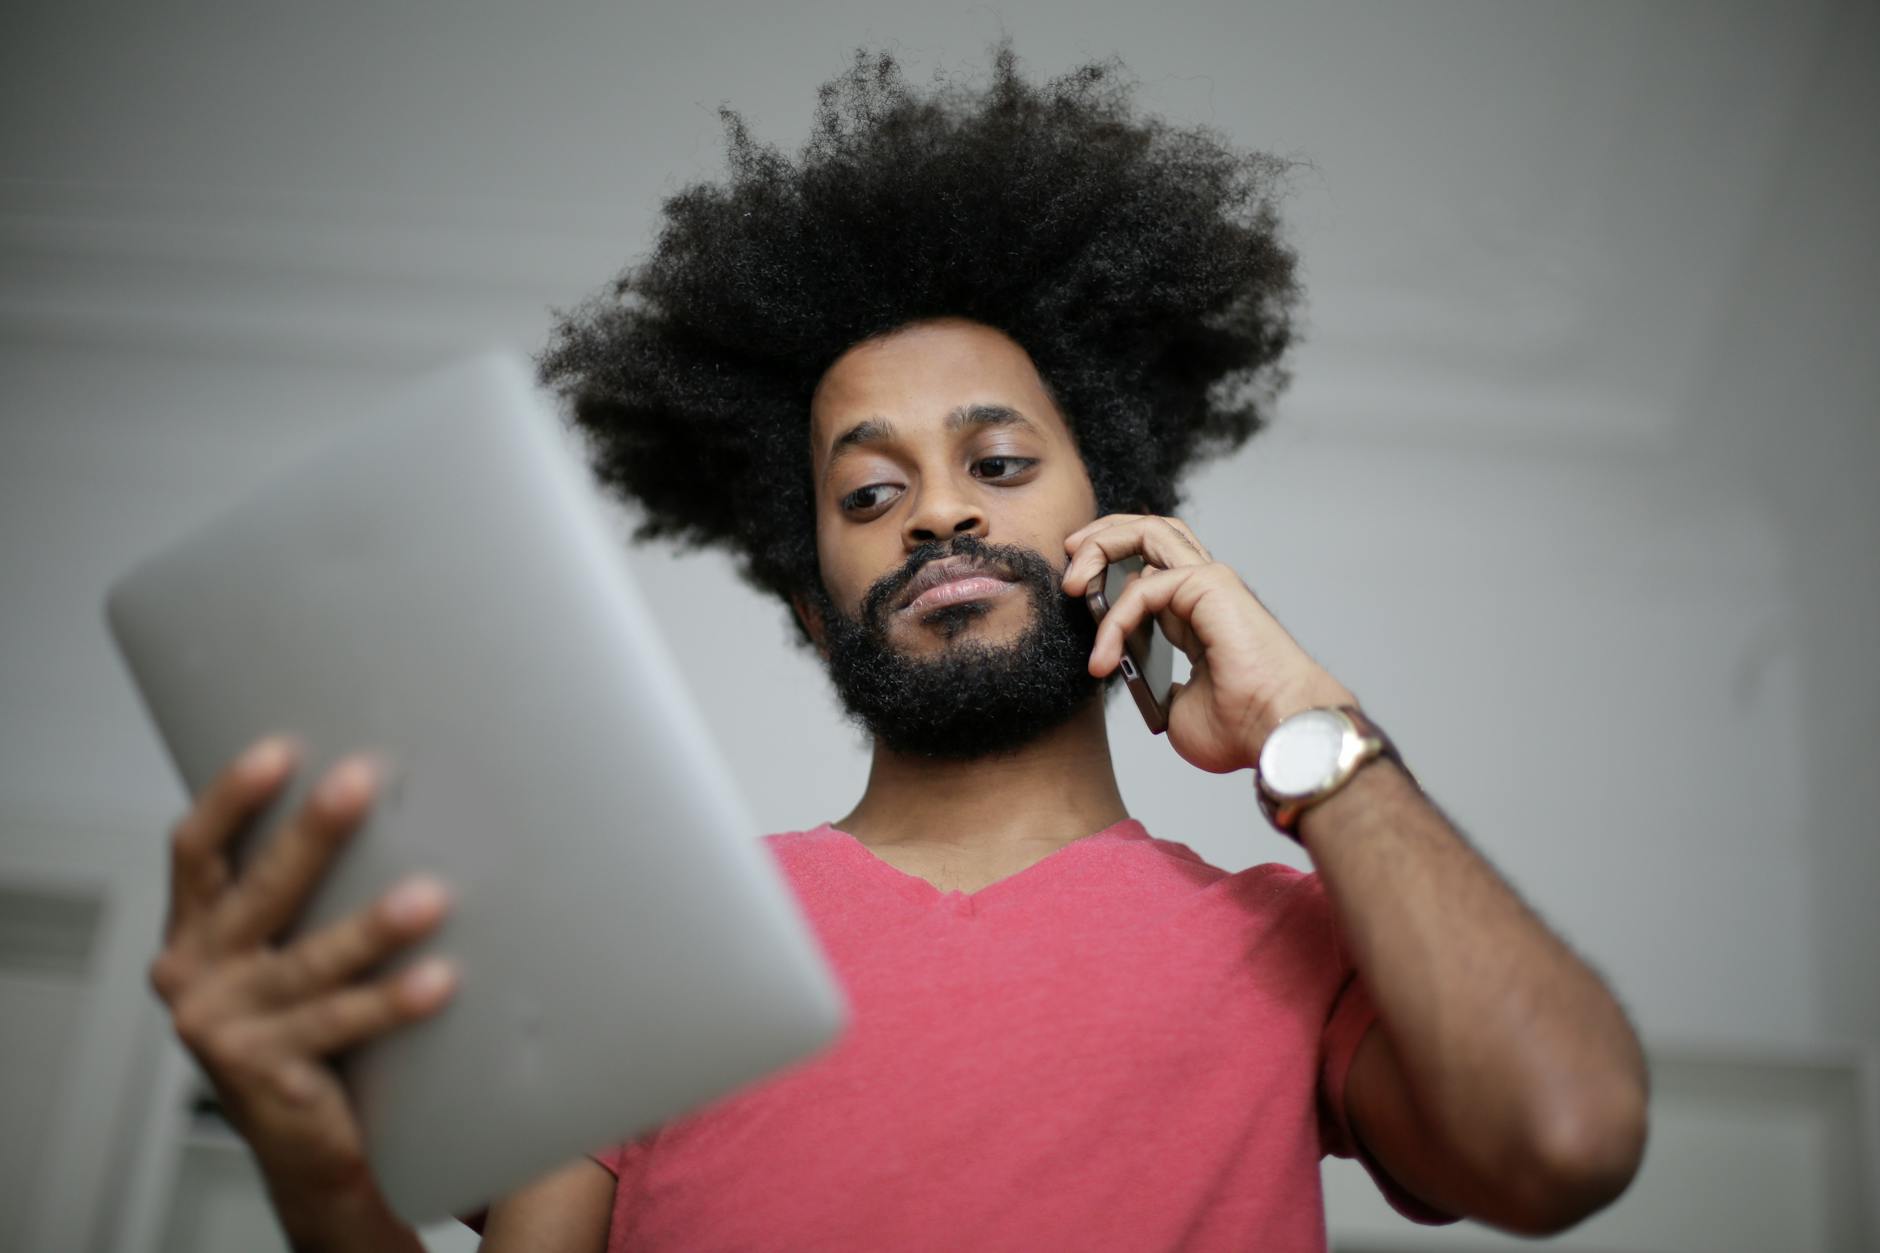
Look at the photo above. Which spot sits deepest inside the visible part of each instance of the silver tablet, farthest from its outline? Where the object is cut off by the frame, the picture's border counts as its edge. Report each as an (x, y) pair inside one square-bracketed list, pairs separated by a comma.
[(442, 589)]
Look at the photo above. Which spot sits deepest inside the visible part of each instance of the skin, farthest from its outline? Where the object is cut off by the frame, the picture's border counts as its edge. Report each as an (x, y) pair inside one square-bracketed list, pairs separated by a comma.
[(958, 824), (1502, 1083)]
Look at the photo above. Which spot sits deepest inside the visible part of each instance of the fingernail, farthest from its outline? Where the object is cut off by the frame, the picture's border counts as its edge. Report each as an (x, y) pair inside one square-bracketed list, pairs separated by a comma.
[(414, 900), (264, 758), (347, 782), (428, 980)]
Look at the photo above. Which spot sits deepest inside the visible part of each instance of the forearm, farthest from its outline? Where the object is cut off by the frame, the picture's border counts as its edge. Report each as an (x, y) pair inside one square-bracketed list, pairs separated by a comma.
[(1513, 1051), (355, 1219)]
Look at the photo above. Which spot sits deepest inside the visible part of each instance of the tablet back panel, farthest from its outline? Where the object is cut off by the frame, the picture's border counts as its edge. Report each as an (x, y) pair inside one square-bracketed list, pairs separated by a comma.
[(442, 589)]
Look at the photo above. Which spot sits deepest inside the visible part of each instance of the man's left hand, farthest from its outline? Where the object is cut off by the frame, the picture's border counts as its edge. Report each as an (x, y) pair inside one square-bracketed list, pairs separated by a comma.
[(1246, 673)]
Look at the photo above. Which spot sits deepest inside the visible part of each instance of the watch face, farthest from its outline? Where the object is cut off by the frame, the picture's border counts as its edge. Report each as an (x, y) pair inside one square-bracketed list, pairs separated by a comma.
[(1301, 756)]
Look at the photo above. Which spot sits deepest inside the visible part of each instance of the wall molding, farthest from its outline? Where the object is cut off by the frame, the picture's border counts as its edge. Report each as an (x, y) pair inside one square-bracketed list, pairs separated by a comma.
[(359, 279), (285, 278), (1745, 1135)]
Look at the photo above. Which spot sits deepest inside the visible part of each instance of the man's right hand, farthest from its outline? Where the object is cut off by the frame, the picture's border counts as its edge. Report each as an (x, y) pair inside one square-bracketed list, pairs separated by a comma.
[(263, 1017)]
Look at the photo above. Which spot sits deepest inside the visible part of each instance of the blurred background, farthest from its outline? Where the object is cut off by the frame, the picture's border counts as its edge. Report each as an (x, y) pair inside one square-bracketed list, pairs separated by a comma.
[(1578, 486)]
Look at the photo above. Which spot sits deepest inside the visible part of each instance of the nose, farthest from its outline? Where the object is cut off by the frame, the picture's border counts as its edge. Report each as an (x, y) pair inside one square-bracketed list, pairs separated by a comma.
[(942, 512)]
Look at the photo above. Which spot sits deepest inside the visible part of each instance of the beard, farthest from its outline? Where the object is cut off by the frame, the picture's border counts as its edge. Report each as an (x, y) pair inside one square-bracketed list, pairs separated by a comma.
[(971, 699)]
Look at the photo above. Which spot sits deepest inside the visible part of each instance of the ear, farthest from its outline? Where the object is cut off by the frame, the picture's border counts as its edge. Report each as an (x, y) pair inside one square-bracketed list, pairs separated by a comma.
[(812, 621)]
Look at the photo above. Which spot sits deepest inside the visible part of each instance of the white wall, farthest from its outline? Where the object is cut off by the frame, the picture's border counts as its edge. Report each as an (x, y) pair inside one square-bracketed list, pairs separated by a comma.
[(1575, 487), (1793, 398)]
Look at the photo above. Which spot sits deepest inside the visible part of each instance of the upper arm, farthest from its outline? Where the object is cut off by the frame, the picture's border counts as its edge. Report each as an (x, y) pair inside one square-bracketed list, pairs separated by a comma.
[(1389, 1129), (566, 1212)]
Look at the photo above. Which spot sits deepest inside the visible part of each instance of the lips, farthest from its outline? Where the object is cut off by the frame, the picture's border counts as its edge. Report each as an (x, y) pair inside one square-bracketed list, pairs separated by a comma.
[(951, 581)]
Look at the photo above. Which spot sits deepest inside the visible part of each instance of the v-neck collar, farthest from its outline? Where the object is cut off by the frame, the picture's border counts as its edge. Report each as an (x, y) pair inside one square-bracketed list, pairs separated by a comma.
[(915, 888)]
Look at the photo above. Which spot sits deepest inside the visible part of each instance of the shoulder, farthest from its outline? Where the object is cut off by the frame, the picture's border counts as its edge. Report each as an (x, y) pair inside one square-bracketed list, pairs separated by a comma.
[(789, 843), (1274, 887), (806, 852), (1274, 907), (1263, 893), (1263, 885)]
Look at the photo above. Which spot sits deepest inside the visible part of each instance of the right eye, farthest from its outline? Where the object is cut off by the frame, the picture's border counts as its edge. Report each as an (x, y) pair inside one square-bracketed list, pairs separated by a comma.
[(864, 499)]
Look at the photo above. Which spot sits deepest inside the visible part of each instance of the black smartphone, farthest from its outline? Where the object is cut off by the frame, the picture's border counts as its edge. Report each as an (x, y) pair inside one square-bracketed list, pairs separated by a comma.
[(1148, 658)]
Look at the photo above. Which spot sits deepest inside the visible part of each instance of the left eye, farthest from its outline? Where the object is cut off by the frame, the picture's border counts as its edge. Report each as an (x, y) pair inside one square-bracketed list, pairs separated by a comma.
[(1003, 467)]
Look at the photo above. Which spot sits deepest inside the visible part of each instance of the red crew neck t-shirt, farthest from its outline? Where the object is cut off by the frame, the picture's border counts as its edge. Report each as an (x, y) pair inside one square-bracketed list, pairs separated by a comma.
[(1119, 1047)]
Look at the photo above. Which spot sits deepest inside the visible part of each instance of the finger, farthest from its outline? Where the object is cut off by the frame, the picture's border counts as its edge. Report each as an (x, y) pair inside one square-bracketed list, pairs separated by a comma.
[(1170, 595), (277, 882), (1109, 519), (199, 841), (1187, 533), (1158, 543), (351, 1016), (341, 951), (1162, 542)]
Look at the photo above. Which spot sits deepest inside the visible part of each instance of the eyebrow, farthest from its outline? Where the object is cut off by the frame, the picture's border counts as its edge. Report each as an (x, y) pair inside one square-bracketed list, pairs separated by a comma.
[(876, 430)]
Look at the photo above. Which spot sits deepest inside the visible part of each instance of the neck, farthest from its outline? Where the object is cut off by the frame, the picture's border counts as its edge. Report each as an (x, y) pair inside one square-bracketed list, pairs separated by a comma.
[(1040, 797)]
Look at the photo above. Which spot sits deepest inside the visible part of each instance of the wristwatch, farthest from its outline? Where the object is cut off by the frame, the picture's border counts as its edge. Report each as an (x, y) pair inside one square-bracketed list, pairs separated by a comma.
[(1311, 755)]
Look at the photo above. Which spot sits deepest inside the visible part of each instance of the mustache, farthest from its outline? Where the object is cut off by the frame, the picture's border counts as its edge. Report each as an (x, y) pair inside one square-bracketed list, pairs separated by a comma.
[(1026, 564)]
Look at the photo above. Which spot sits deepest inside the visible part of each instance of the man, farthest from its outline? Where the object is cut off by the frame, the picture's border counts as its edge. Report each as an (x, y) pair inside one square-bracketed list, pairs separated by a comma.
[(928, 381)]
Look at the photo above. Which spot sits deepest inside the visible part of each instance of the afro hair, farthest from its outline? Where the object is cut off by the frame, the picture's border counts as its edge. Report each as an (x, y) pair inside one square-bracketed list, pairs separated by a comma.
[(1139, 265)]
